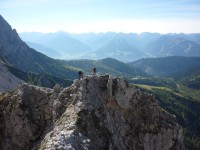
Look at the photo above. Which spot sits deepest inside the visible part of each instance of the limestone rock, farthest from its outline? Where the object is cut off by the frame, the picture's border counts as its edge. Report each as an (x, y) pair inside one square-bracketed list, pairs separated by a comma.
[(94, 113)]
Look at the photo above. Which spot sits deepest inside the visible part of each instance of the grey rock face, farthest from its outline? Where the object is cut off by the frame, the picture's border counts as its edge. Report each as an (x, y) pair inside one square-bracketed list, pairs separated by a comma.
[(9, 39), (25, 114), (7, 80), (94, 113)]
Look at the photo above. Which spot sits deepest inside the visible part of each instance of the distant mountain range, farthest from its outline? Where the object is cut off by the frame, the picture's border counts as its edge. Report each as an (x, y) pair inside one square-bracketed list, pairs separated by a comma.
[(62, 42), (27, 64), (118, 48), (174, 80), (121, 46), (171, 45), (24, 64)]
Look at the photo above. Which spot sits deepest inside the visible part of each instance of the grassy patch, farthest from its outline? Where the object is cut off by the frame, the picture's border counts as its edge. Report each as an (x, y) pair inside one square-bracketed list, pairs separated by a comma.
[(72, 67), (149, 87), (189, 93)]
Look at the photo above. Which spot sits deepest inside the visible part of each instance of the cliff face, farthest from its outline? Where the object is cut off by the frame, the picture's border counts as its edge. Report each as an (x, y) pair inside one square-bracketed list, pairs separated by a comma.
[(9, 40), (94, 113)]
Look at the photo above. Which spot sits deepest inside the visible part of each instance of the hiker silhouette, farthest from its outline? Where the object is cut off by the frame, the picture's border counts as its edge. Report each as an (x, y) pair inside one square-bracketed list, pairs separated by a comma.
[(94, 70), (80, 73)]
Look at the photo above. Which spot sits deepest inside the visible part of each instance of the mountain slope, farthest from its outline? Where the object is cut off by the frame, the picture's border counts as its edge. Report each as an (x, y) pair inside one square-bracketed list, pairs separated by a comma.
[(21, 56), (122, 67), (108, 65), (96, 40), (59, 41), (169, 45), (8, 81), (189, 77), (166, 66), (195, 37), (41, 79), (11, 76), (118, 49), (44, 50)]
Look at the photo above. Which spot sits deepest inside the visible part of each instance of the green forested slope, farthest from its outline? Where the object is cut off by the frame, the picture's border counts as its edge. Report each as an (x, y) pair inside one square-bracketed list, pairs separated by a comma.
[(166, 66), (108, 65), (40, 79)]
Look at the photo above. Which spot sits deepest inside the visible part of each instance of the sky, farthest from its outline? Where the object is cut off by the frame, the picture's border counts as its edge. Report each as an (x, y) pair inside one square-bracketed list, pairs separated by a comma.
[(80, 16)]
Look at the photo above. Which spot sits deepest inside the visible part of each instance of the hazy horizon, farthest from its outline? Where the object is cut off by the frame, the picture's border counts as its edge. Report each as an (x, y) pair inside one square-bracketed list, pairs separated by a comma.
[(103, 32), (83, 16)]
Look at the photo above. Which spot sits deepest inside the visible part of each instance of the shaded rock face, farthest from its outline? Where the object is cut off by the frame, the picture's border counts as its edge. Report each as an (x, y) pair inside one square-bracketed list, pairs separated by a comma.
[(8, 80), (94, 113), (25, 114), (9, 39)]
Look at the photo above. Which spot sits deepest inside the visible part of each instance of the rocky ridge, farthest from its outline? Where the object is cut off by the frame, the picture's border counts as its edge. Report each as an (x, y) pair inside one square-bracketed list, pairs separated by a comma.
[(94, 113)]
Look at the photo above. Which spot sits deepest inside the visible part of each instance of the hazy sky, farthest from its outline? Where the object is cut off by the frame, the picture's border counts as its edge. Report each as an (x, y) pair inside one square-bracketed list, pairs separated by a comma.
[(164, 16)]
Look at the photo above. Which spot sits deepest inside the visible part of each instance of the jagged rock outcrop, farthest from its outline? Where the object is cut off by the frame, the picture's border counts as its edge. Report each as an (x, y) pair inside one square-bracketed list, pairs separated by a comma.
[(93, 113)]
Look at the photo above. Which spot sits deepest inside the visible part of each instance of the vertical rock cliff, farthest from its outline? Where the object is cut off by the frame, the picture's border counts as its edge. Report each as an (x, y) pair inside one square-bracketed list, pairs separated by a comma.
[(94, 113)]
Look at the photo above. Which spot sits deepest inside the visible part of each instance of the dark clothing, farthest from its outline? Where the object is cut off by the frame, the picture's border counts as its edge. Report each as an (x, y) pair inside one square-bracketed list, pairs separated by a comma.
[(94, 70), (80, 73)]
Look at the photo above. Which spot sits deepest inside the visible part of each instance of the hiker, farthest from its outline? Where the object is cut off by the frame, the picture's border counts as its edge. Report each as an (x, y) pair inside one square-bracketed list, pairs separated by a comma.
[(80, 73), (94, 70)]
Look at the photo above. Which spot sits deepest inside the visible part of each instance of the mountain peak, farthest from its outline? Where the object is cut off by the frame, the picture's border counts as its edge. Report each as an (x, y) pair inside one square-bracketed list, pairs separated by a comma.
[(96, 112), (10, 40), (2, 20), (4, 26)]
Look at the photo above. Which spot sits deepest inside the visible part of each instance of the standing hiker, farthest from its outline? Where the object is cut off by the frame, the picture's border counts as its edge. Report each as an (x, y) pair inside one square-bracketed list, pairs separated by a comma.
[(94, 70), (80, 73)]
